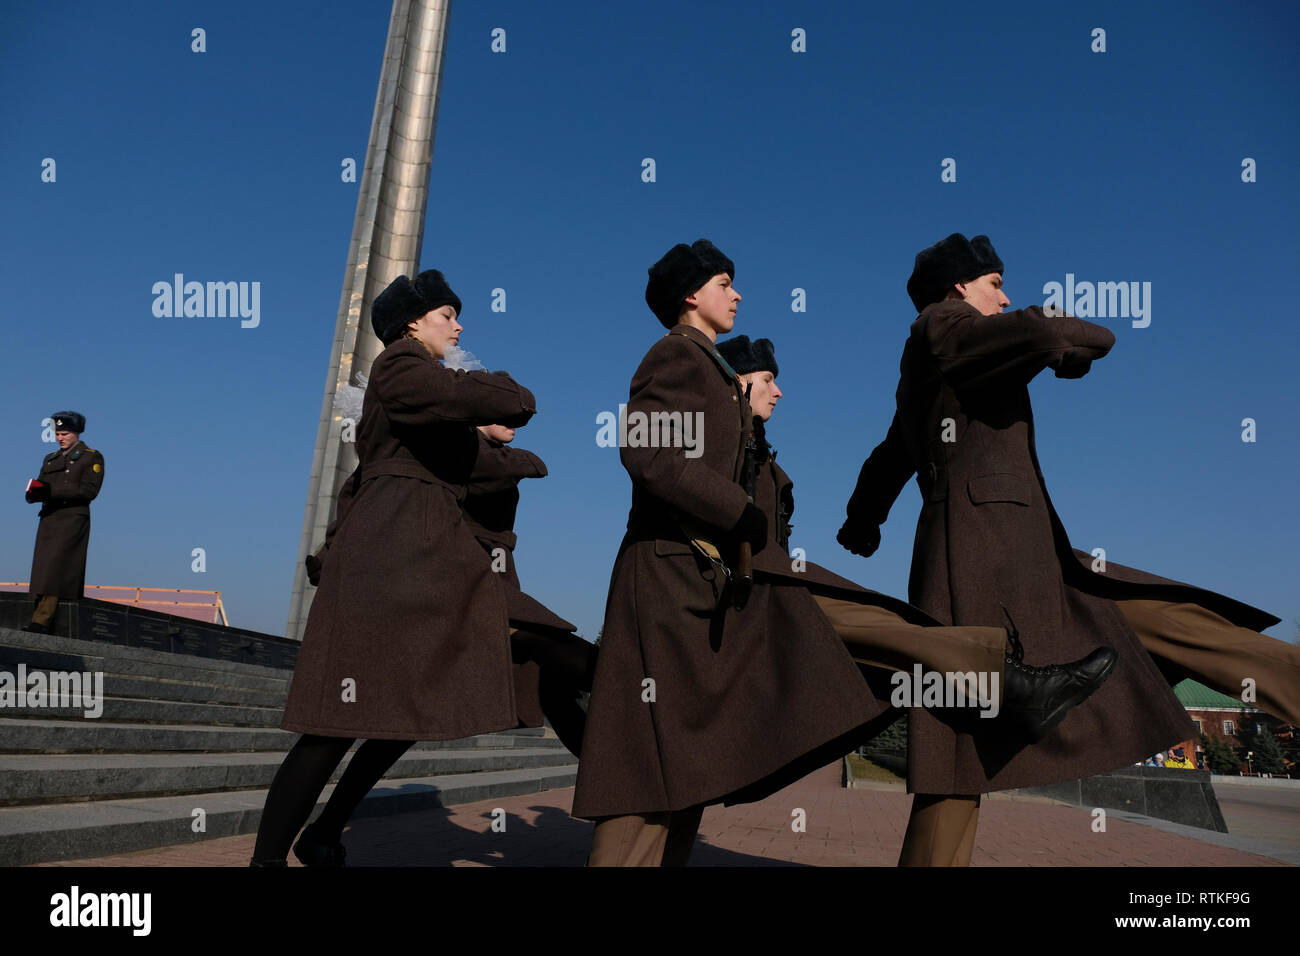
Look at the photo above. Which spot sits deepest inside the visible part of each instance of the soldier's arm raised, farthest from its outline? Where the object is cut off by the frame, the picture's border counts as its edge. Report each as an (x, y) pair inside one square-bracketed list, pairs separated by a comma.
[(415, 390), (672, 378), (976, 351)]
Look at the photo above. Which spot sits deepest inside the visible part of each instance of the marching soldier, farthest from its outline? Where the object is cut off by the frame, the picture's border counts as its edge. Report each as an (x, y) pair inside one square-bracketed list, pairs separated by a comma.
[(552, 665), (69, 480), (990, 547), (881, 631), (700, 696), (695, 701), (407, 637)]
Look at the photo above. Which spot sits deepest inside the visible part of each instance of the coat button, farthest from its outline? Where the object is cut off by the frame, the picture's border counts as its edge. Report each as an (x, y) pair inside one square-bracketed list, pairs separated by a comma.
[(931, 472)]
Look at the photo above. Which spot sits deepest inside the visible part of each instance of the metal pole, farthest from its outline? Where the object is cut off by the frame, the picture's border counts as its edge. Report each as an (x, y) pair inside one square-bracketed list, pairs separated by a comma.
[(386, 238)]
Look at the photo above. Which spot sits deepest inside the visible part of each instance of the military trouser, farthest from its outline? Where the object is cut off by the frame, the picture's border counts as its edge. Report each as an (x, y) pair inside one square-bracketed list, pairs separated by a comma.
[(1202, 645), (878, 637), (650, 839), (47, 605)]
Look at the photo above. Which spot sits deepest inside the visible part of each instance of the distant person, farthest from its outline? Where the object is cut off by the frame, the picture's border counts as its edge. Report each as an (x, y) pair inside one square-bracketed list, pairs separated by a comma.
[(1178, 759), (68, 482)]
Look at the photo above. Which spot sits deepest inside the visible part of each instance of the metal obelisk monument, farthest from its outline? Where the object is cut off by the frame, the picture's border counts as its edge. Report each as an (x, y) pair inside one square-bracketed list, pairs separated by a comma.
[(386, 237)]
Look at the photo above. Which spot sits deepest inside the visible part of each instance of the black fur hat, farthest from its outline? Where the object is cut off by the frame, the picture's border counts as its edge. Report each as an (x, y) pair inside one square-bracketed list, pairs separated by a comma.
[(682, 270), (69, 422), (404, 300), (948, 262), (745, 356)]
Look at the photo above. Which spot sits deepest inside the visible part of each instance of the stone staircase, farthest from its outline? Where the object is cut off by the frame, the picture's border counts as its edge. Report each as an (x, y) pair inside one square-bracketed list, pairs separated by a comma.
[(185, 748)]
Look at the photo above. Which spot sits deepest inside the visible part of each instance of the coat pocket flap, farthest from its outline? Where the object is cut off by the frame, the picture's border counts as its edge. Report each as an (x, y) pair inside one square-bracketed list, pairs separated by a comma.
[(664, 547), (1002, 487)]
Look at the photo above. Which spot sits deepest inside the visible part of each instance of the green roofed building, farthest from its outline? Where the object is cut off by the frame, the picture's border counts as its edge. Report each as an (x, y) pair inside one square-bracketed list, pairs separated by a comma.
[(1194, 695), (1228, 718)]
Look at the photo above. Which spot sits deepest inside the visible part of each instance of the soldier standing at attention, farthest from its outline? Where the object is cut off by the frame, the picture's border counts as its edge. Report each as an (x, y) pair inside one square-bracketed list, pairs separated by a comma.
[(70, 479)]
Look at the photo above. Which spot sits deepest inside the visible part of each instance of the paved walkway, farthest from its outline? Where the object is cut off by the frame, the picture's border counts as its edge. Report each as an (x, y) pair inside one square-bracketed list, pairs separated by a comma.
[(860, 827)]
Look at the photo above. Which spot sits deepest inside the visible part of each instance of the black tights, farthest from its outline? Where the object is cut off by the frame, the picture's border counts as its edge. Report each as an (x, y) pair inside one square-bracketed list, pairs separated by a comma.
[(301, 778)]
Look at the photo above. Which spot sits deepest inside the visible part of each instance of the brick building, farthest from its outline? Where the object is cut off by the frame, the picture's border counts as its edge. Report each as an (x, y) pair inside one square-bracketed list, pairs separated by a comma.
[(1227, 718)]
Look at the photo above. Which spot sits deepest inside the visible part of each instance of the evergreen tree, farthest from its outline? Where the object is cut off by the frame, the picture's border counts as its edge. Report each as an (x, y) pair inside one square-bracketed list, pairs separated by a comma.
[(893, 739), (1220, 756), (1267, 754)]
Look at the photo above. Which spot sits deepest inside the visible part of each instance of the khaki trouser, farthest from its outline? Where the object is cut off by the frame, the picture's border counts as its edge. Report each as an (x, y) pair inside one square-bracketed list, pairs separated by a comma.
[(880, 638), (1205, 646), (46, 607), (1218, 653), (650, 839), (940, 831)]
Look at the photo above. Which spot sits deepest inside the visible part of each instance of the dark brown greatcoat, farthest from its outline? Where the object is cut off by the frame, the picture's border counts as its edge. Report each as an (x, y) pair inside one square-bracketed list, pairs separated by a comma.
[(490, 506), (990, 548), (740, 701), (1121, 583), (74, 476), (408, 611)]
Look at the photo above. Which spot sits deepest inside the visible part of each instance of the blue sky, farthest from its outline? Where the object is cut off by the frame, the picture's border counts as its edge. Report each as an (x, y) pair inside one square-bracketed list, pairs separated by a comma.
[(816, 170)]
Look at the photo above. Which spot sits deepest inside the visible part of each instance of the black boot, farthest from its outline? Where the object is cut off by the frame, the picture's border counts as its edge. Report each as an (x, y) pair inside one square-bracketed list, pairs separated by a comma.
[(37, 628), (310, 851), (275, 864), (1036, 699)]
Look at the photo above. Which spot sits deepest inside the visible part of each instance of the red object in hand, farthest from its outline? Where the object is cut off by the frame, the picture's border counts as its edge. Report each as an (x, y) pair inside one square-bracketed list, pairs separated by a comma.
[(37, 490)]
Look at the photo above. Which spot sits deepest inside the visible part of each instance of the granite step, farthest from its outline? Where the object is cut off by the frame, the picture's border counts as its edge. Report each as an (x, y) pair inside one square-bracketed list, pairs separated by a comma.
[(173, 688), (44, 779), (36, 735), (50, 651), (68, 831), (135, 710)]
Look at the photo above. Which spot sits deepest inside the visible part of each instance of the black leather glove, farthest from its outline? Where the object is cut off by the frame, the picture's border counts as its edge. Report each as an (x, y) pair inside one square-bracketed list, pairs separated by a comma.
[(313, 569), (37, 491), (1073, 368), (861, 541), (751, 527)]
